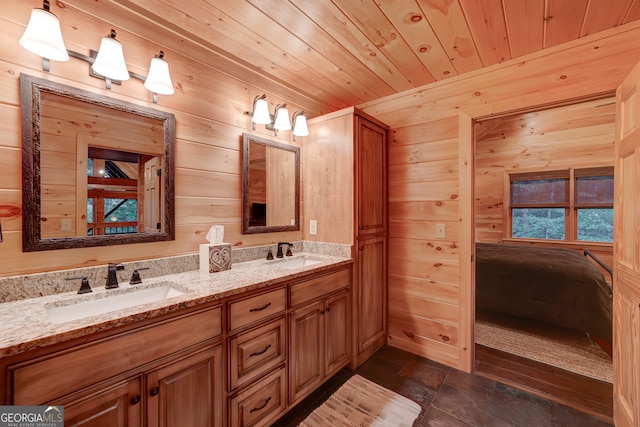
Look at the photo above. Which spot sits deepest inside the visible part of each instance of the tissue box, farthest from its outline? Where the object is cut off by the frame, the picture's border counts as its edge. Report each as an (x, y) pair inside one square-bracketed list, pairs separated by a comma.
[(215, 257)]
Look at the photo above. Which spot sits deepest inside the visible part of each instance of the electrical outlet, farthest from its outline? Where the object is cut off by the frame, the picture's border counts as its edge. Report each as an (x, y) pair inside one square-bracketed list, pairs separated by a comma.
[(440, 231), (313, 227), (65, 224)]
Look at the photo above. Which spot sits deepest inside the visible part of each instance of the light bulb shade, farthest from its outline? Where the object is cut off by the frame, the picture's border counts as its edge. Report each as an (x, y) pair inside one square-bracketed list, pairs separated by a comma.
[(300, 127), (159, 79), (281, 120), (261, 114), (43, 36), (110, 59)]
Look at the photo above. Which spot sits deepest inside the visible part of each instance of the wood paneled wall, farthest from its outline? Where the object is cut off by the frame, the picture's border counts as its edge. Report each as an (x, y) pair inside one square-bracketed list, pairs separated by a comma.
[(576, 135), (209, 106), (431, 179)]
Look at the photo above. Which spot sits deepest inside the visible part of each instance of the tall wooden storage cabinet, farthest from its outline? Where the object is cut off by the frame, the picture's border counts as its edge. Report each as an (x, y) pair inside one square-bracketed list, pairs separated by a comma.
[(345, 193)]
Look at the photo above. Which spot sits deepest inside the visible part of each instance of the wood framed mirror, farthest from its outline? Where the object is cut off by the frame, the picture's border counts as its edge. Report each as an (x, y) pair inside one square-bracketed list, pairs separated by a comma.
[(270, 186), (96, 171)]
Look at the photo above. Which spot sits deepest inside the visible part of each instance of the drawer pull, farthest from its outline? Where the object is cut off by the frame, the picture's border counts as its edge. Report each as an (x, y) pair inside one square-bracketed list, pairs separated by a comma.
[(258, 353), (260, 408), (154, 391), (259, 309), (135, 400)]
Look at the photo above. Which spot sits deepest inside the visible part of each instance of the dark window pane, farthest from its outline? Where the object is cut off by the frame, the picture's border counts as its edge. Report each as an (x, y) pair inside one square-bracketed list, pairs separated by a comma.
[(539, 192), (594, 190), (538, 223), (595, 225)]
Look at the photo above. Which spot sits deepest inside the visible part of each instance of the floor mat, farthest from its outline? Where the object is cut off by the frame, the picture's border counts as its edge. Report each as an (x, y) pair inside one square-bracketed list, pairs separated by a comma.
[(360, 402), (567, 350)]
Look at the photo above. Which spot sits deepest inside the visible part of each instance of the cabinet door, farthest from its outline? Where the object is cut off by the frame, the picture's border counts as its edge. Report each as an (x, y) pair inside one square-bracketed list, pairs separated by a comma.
[(306, 344), (337, 333), (371, 187), (370, 293), (116, 406), (187, 392)]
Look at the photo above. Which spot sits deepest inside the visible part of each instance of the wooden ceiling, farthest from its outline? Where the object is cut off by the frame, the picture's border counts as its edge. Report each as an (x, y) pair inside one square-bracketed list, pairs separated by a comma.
[(337, 53)]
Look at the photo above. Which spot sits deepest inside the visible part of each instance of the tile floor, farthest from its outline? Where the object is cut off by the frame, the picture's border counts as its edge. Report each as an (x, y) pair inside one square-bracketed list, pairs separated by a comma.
[(449, 397)]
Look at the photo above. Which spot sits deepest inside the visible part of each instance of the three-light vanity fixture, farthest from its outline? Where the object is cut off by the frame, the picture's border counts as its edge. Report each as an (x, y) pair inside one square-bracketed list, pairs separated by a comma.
[(279, 120), (43, 37)]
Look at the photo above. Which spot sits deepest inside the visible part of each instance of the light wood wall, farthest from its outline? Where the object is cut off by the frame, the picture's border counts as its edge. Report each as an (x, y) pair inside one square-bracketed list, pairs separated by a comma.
[(209, 106), (576, 135), (431, 179)]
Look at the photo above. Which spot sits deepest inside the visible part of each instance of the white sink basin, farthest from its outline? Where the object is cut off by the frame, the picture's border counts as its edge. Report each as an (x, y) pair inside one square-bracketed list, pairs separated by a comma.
[(108, 302), (298, 262)]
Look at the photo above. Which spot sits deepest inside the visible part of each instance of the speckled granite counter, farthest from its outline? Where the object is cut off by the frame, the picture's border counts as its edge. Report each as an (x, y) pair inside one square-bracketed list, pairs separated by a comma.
[(24, 324)]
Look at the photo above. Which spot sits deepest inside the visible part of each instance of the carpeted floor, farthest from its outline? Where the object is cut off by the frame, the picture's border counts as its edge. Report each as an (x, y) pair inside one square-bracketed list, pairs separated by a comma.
[(360, 402), (561, 347)]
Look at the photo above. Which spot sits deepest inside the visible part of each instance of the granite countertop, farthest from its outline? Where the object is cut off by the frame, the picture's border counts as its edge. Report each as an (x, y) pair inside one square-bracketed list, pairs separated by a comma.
[(25, 325)]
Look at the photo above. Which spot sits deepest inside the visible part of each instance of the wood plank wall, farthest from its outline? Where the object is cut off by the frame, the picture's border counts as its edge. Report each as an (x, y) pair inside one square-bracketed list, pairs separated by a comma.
[(209, 106), (431, 179), (577, 135)]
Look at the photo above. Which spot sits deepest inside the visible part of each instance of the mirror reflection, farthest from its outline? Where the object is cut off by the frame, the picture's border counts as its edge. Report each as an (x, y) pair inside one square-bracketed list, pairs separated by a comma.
[(98, 171), (271, 186)]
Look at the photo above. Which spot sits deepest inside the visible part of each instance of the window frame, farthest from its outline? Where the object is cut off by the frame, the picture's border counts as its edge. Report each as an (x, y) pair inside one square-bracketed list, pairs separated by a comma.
[(571, 206)]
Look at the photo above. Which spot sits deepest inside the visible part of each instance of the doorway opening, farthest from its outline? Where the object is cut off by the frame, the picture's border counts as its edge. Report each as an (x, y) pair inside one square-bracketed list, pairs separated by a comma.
[(521, 337)]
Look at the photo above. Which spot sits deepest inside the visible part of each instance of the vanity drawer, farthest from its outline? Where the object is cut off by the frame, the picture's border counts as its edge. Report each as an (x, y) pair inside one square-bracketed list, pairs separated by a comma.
[(261, 403), (54, 375), (249, 310), (256, 351), (319, 286)]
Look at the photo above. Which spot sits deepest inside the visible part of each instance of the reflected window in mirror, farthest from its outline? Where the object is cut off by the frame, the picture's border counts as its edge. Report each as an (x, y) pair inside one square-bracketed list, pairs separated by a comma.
[(97, 171), (271, 186)]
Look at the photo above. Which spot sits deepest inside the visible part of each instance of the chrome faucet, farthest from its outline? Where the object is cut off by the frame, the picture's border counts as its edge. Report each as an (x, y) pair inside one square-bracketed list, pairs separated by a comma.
[(280, 245), (112, 275)]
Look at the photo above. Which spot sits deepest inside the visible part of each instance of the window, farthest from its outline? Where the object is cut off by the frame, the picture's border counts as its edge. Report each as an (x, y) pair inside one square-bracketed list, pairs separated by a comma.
[(541, 205)]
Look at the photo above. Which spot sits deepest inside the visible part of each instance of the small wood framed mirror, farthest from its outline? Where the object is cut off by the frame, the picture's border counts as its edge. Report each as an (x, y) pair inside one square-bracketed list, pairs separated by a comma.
[(270, 186)]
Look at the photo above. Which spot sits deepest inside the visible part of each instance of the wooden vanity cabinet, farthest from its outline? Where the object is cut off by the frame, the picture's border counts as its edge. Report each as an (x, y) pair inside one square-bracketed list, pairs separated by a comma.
[(167, 373), (119, 405), (186, 392), (257, 358), (319, 331)]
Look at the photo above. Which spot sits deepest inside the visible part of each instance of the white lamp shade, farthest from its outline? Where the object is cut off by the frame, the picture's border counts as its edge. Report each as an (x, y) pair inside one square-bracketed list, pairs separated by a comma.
[(281, 120), (110, 60), (43, 36), (159, 80), (261, 114), (300, 127)]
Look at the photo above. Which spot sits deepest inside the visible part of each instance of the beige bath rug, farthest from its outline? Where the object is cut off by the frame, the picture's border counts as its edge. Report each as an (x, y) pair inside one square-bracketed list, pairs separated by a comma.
[(362, 403)]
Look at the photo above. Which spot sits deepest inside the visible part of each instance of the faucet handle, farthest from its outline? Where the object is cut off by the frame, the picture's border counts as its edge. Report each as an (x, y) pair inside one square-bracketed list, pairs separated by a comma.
[(135, 277), (84, 286), (270, 254)]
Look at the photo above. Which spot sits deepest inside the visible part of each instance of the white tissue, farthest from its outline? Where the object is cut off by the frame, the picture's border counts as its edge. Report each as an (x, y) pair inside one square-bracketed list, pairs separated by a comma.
[(215, 234)]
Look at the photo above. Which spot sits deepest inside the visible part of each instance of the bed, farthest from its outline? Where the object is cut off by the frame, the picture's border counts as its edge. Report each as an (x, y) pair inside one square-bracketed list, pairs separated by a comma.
[(559, 286)]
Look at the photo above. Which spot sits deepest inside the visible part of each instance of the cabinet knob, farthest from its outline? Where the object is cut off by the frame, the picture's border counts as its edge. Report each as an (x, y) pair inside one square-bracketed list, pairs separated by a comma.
[(154, 391), (328, 309), (135, 399), (321, 311)]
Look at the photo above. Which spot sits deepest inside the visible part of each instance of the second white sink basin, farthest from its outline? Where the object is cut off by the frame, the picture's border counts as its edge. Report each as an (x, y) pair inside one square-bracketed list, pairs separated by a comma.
[(298, 262), (111, 301)]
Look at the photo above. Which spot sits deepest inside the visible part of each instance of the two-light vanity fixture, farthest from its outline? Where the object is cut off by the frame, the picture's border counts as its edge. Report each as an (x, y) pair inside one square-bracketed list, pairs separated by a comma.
[(43, 37), (279, 120)]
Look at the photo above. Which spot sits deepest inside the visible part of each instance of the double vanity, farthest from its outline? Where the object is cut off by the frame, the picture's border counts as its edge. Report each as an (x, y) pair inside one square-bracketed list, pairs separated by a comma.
[(239, 347)]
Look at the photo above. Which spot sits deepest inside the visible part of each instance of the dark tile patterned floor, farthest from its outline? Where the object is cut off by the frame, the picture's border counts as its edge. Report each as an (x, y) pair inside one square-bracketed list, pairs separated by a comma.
[(449, 397)]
